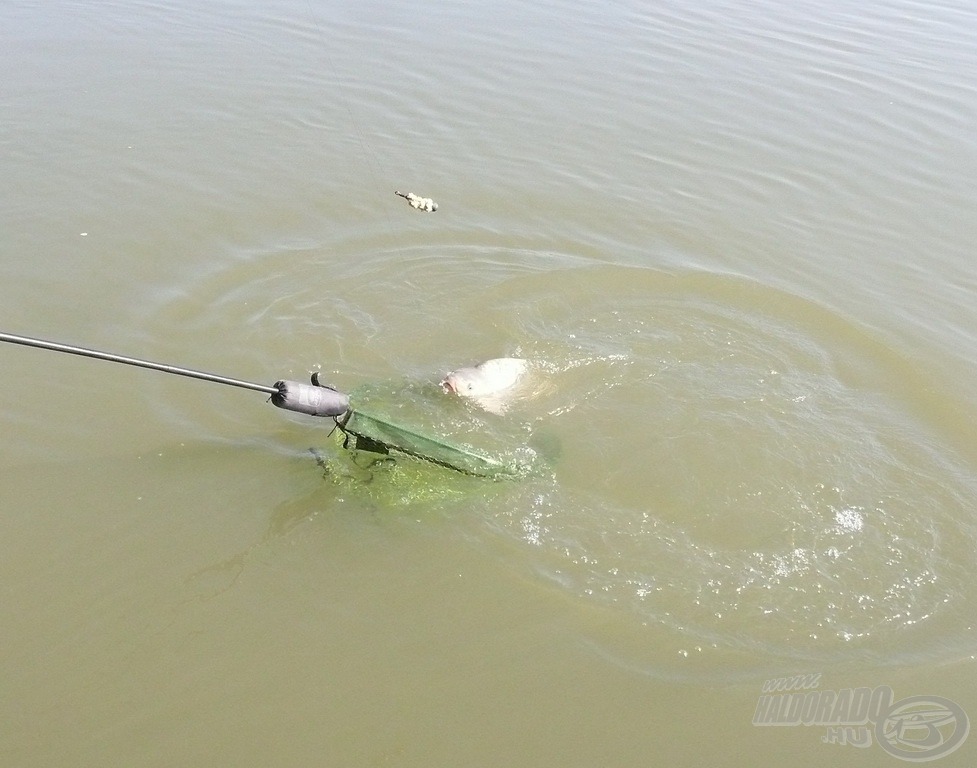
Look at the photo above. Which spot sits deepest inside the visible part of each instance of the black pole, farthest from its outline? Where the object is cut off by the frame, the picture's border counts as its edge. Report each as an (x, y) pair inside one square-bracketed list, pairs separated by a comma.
[(82, 351)]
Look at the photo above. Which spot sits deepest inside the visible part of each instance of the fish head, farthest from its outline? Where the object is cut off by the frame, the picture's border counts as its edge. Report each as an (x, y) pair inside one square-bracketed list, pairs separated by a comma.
[(464, 382)]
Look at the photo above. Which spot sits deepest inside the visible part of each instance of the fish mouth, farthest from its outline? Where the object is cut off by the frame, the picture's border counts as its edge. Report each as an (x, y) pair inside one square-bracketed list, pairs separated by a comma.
[(447, 387)]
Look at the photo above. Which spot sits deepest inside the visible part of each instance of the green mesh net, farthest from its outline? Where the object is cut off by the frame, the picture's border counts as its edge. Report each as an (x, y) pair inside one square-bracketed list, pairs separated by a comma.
[(420, 421)]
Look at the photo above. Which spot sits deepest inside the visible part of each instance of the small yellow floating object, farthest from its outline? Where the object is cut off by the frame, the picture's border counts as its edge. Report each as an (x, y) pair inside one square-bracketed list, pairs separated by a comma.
[(420, 203)]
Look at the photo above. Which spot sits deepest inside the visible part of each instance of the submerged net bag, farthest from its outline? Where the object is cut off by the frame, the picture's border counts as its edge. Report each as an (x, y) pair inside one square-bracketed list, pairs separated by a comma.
[(420, 421)]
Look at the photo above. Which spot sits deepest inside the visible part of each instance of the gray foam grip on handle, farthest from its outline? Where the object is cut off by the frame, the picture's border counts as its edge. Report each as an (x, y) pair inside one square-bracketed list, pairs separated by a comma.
[(309, 399)]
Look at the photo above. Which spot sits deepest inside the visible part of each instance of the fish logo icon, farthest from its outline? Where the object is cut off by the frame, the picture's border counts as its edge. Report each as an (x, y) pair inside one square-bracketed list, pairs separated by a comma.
[(922, 728)]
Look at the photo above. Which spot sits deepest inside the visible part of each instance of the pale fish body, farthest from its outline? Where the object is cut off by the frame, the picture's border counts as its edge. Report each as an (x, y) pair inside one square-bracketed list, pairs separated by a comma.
[(489, 384)]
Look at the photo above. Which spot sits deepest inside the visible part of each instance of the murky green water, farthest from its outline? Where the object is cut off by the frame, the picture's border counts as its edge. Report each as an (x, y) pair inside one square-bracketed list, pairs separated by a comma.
[(733, 238)]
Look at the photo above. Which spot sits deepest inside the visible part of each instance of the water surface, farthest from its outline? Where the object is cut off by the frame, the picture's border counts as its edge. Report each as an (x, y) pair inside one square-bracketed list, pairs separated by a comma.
[(733, 238)]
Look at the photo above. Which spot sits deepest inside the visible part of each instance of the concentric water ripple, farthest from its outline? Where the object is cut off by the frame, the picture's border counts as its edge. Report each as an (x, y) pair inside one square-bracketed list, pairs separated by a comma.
[(752, 471), (736, 465)]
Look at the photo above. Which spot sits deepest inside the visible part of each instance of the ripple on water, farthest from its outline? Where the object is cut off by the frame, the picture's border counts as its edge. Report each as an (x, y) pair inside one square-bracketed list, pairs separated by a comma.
[(737, 466), (745, 467)]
